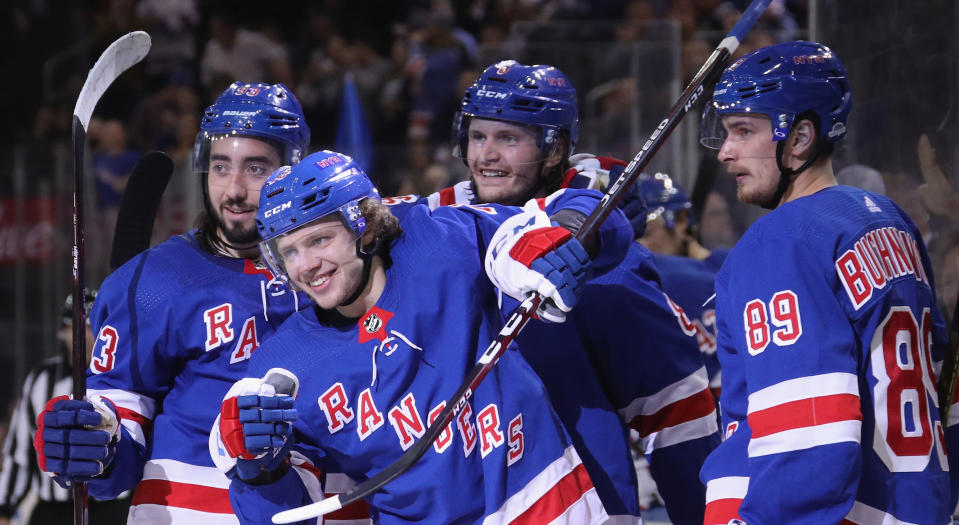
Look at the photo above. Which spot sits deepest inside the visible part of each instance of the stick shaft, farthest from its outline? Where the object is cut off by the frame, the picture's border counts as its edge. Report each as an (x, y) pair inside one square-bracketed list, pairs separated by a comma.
[(78, 354)]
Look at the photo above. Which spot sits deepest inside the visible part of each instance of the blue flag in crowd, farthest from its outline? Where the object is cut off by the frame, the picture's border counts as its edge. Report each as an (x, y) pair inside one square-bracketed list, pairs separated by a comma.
[(352, 132)]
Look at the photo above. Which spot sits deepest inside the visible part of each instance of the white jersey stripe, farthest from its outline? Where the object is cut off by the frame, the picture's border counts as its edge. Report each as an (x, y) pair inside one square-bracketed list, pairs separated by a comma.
[(730, 487), (682, 389), (803, 388), (862, 514), (806, 437), (686, 431), (172, 470), (149, 514), (583, 511)]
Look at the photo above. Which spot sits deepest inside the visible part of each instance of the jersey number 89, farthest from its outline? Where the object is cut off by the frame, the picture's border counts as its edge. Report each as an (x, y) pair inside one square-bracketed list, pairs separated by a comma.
[(902, 365)]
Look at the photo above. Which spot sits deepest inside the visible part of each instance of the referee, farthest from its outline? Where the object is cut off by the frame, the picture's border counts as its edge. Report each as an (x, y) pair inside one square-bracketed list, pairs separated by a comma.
[(25, 491)]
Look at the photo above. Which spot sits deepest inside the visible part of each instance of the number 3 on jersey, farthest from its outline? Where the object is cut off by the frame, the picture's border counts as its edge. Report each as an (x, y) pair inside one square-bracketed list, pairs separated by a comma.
[(104, 359), (783, 314), (902, 365)]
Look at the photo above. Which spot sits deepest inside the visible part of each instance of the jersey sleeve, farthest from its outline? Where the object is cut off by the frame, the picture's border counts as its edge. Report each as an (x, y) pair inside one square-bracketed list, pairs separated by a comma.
[(655, 376), (800, 366), (132, 365)]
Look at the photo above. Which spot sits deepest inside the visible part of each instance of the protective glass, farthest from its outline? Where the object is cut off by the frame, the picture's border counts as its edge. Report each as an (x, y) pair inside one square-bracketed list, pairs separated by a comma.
[(742, 133), (711, 131)]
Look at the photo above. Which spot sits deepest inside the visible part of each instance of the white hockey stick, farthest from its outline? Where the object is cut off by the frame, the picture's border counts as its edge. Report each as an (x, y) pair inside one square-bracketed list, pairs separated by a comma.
[(522, 314), (117, 58)]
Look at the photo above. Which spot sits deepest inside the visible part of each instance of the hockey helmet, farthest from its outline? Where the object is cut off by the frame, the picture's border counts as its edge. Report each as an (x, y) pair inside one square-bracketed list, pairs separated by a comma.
[(66, 311), (265, 111), (664, 198), (323, 183), (539, 96), (782, 81)]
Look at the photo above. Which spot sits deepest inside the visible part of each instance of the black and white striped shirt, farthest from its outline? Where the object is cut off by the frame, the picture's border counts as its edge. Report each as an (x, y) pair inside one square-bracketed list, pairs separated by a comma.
[(20, 472)]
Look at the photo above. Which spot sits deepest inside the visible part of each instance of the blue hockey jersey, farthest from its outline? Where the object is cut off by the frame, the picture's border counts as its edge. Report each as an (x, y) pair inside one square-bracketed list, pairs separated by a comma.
[(689, 284), (175, 328), (829, 338), (623, 359), (369, 388)]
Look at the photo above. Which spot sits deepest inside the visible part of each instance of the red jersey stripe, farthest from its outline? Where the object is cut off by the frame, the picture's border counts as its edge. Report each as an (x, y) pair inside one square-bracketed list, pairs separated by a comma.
[(183, 495), (565, 493), (805, 413), (691, 408), (721, 511)]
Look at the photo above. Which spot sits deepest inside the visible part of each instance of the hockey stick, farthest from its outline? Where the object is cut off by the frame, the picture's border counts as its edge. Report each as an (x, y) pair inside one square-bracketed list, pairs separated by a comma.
[(522, 314), (138, 209), (950, 368), (117, 58)]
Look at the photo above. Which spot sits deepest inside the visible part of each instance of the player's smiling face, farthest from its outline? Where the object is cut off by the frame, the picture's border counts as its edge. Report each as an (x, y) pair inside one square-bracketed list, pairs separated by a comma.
[(749, 154), (320, 258), (238, 168), (504, 161)]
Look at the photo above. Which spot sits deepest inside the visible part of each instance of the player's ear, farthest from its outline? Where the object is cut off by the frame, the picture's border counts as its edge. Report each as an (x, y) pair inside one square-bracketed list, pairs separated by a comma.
[(803, 138)]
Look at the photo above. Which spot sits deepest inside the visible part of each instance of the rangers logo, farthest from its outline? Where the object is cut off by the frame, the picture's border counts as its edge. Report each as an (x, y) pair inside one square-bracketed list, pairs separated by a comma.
[(502, 70), (372, 323)]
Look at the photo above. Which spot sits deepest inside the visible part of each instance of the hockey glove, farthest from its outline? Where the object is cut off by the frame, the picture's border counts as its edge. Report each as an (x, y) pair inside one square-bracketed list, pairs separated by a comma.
[(76, 440), (598, 173), (530, 254), (254, 427)]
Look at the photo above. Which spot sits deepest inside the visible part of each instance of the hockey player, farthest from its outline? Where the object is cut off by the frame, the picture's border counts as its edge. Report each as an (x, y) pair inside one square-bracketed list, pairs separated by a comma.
[(517, 127), (403, 310), (176, 325), (686, 268), (828, 330)]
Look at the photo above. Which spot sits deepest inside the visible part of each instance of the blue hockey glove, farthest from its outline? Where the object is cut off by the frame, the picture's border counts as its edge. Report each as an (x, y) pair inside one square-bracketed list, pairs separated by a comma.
[(76, 440), (529, 254), (599, 173), (633, 205), (255, 427)]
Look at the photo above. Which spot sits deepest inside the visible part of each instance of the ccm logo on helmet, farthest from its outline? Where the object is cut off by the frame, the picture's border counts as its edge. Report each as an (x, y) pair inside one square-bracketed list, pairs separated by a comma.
[(277, 209), (490, 94)]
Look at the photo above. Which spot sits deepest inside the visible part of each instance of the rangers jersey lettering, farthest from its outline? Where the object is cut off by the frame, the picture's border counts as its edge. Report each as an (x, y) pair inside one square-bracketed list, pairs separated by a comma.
[(376, 382), (829, 339)]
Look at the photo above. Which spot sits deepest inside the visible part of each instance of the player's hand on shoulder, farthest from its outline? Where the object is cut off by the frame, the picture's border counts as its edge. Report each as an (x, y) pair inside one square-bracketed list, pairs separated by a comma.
[(254, 431), (599, 173), (76, 440), (529, 253)]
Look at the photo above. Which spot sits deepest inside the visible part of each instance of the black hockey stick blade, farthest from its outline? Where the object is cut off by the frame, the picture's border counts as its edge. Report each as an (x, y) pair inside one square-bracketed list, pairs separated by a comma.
[(950, 368), (119, 56), (522, 314), (138, 208)]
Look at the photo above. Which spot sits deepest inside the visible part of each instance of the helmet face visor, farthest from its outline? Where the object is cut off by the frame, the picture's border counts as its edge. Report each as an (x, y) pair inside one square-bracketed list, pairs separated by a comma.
[(712, 134), (298, 250), (738, 129)]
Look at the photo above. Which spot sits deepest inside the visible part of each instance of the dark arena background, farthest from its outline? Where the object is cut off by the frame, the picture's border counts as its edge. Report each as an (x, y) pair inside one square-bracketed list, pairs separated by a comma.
[(403, 66)]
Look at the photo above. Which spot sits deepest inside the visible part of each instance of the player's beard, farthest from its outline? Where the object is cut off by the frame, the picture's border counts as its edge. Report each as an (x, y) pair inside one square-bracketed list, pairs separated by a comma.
[(759, 185), (520, 190), (234, 233)]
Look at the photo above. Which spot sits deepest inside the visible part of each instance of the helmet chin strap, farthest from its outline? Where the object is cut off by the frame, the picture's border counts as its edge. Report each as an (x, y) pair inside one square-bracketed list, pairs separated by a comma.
[(367, 257), (786, 174)]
